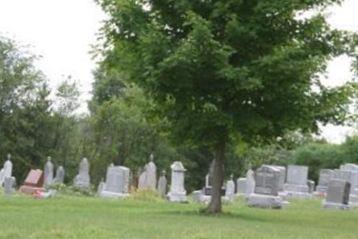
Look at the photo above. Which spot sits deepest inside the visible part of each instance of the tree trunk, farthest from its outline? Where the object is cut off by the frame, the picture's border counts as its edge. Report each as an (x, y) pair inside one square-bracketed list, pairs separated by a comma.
[(218, 179)]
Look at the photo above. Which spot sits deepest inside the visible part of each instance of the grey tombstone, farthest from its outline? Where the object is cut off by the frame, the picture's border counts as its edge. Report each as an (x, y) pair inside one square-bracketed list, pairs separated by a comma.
[(82, 179), (325, 175), (349, 173), (9, 185), (230, 189), (266, 189), (282, 179), (6, 172), (349, 167), (177, 191), (311, 186), (148, 178), (296, 183), (117, 182), (337, 194), (48, 172), (241, 186), (162, 184), (60, 175)]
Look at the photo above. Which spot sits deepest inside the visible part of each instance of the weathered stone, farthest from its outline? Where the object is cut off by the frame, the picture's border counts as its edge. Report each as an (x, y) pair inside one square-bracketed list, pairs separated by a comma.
[(325, 175), (82, 179), (117, 182), (148, 178), (162, 184), (230, 189), (266, 189), (33, 182), (9, 185), (267, 180), (60, 175), (337, 194), (311, 186), (241, 186), (296, 186), (250, 182), (349, 167), (6, 171), (177, 191), (48, 172), (282, 179)]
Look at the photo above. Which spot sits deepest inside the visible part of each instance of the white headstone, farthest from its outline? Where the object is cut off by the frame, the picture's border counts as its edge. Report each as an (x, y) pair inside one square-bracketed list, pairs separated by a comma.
[(250, 182), (230, 188), (177, 191), (48, 172), (8, 167), (241, 186)]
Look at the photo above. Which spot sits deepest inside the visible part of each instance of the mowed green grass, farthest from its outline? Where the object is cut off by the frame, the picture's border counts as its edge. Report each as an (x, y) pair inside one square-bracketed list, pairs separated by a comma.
[(81, 217)]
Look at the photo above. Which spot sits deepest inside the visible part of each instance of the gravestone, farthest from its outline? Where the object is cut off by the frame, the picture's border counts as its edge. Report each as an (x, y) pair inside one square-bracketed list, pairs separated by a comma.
[(82, 179), (162, 185), (325, 175), (282, 180), (48, 172), (148, 178), (250, 182), (241, 186), (8, 167), (337, 194), (60, 175), (349, 173), (267, 180), (296, 183), (9, 185), (177, 191), (33, 182), (117, 182), (6, 171), (311, 186), (230, 189)]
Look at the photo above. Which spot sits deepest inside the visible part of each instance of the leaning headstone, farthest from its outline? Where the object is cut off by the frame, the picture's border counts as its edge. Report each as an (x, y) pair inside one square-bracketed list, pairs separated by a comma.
[(9, 185), (266, 189), (177, 191), (48, 172), (117, 182), (325, 175), (230, 189), (162, 184), (60, 175), (33, 182), (337, 194), (82, 179), (241, 186), (296, 185)]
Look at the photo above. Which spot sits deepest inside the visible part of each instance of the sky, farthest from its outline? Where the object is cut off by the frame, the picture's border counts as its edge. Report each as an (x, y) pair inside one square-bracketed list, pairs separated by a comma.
[(62, 32)]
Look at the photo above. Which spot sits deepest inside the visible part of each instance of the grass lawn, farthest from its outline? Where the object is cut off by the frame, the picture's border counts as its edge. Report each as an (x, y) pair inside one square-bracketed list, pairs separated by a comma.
[(81, 217)]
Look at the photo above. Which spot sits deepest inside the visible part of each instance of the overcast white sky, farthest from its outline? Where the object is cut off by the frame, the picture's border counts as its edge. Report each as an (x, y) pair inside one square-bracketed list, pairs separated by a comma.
[(61, 31)]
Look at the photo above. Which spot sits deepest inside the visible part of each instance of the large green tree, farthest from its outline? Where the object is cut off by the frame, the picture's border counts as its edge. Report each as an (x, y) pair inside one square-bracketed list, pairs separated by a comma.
[(230, 70)]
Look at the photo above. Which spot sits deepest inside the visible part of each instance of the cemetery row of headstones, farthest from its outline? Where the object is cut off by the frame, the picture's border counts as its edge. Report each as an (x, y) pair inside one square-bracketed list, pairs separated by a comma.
[(116, 185), (270, 186)]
